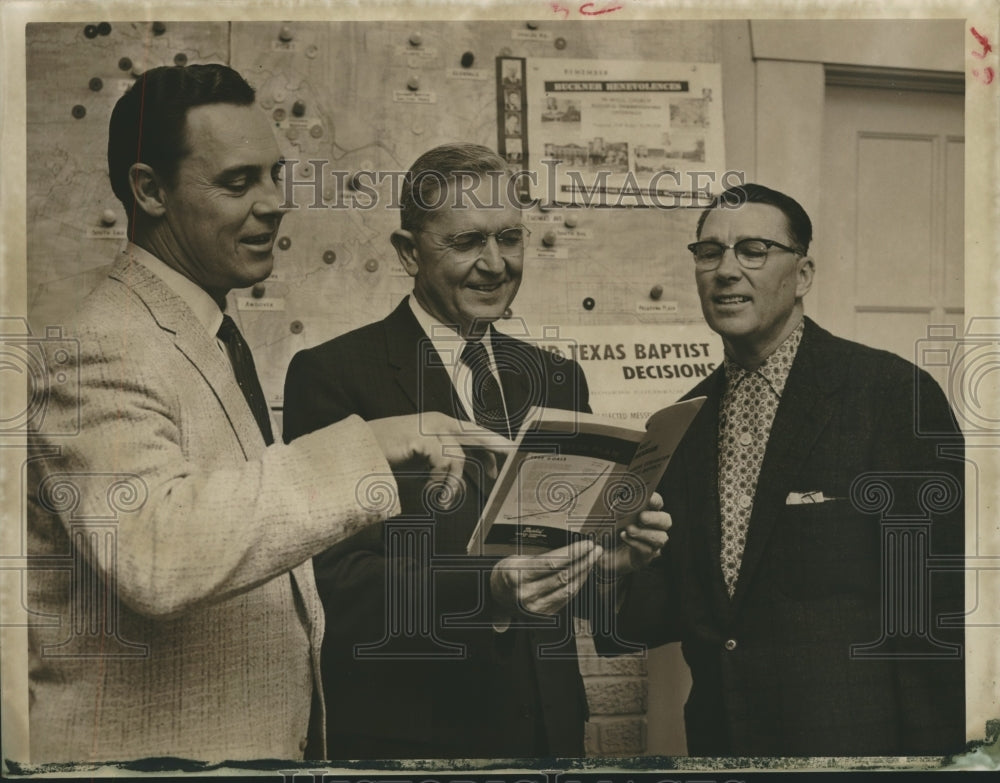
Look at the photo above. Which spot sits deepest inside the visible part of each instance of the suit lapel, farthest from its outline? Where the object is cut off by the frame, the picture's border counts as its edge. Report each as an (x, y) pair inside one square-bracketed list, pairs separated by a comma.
[(702, 479), (803, 413), (419, 370), (174, 316)]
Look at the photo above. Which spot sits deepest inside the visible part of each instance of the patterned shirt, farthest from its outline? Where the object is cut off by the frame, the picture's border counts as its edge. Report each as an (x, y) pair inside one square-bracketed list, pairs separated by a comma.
[(746, 415)]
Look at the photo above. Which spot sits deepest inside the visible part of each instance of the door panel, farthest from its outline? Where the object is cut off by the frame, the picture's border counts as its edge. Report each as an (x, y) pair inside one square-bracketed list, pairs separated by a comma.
[(889, 239)]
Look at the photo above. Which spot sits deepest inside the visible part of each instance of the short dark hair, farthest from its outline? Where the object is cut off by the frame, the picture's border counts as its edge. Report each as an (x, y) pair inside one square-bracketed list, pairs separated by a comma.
[(148, 123), (429, 173), (799, 225)]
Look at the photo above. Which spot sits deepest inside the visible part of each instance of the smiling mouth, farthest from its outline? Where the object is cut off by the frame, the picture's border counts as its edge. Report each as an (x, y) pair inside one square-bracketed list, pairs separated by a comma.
[(731, 299), (258, 240), (486, 288)]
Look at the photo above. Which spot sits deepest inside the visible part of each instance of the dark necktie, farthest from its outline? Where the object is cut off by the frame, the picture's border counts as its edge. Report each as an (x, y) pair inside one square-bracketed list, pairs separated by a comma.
[(246, 375), (487, 401)]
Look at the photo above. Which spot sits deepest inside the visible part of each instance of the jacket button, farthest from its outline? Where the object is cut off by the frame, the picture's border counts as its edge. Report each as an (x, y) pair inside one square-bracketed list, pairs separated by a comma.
[(730, 644)]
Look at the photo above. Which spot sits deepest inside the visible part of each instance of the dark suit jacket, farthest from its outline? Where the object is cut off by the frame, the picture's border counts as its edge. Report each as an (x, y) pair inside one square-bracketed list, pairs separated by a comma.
[(772, 669), (473, 692)]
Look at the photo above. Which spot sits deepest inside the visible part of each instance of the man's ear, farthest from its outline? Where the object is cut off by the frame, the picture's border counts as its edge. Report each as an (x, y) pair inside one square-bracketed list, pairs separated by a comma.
[(406, 248), (147, 190), (804, 277)]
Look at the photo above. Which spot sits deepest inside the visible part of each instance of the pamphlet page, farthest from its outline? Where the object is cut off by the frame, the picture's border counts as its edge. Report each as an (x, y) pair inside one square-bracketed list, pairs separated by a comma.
[(576, 475)]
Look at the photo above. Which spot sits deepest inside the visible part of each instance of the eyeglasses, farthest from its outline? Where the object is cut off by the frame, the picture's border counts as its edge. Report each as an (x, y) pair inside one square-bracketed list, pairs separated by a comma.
[(751, 253), (509, 240)]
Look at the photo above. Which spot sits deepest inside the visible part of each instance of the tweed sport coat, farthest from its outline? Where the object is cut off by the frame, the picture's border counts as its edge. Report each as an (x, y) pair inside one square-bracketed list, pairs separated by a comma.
[(175, 609), (773, 669), (473, 693)]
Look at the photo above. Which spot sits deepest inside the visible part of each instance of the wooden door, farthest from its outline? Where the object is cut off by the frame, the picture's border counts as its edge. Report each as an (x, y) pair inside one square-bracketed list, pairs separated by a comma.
[(889, 237)]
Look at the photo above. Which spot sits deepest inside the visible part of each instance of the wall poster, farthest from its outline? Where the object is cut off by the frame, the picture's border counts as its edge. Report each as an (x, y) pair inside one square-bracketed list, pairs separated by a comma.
[(618, 133)]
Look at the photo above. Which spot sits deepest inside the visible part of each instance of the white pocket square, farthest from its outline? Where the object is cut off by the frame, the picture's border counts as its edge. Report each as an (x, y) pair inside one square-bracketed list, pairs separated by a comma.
[(802, 498)]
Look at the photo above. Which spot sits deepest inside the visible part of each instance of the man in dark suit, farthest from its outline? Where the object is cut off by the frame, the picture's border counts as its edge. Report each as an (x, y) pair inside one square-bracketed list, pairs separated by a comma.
[(781, 579), (430, 656)]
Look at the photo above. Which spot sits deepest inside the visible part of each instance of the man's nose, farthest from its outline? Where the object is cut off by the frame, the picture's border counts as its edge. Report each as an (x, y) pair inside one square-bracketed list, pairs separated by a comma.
[(270, 201), (490, 257), (729, 266)]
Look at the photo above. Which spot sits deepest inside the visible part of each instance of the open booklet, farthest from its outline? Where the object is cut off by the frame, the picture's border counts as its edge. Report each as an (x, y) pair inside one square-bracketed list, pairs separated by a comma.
[(574, 475)]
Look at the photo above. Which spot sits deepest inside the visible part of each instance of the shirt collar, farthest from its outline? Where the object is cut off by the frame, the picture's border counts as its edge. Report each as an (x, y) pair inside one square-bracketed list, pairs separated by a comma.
[(446, 341), (774, 369), (197, 298)]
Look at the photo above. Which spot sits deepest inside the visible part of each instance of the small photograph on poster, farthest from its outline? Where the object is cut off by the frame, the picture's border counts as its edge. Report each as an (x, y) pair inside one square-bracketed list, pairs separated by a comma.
[(675, 151), (512, 73), (512, 125), (514, 153), (561, 110), (689, 113), (593, 156), (512, 100)]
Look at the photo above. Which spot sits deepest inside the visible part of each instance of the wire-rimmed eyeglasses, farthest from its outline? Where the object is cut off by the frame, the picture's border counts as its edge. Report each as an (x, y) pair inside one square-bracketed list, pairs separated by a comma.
[(751, 253), (509, 240)]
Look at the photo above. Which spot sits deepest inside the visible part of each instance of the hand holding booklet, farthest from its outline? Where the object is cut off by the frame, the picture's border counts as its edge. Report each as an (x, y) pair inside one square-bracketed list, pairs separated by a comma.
[(576, 475)]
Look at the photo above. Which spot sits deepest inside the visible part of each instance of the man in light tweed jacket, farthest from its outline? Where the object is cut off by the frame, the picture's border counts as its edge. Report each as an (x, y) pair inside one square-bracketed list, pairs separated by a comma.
[(176, 612)]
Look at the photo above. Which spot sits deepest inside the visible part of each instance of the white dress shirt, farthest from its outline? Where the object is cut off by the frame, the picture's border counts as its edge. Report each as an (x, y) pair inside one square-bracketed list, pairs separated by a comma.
[(449, 346)]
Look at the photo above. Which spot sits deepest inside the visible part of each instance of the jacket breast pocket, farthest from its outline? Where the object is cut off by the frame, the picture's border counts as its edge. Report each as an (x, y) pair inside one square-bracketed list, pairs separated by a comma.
[(826, 549)]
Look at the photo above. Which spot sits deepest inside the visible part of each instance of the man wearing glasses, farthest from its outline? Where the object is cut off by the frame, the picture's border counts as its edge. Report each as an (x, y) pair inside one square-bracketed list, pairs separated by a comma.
[(787, 590), (447, 659)]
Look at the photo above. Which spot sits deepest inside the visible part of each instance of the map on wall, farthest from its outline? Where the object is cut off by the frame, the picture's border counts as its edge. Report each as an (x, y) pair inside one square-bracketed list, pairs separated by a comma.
[(352, 105)]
